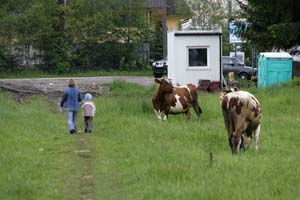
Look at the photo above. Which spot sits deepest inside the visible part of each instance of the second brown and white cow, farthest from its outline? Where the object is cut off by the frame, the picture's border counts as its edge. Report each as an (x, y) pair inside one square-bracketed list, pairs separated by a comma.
[(242, 117), (168, 99)]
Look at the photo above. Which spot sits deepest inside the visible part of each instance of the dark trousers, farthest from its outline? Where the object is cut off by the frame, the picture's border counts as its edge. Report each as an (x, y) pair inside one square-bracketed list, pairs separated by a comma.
[(88, 124)]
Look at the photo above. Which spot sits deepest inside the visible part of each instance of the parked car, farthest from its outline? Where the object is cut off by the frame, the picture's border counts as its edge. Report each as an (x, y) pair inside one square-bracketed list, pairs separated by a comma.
[(295, 53), (230, 64), (160, 68), (233, 64)]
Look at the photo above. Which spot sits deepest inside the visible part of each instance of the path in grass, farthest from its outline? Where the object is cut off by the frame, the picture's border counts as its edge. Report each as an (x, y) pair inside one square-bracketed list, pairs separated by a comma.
[(85, 155)]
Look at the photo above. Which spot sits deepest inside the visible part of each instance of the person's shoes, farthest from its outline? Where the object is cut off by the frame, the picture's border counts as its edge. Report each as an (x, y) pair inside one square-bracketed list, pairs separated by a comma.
[(72, 131), (85, 130), (90, 131)]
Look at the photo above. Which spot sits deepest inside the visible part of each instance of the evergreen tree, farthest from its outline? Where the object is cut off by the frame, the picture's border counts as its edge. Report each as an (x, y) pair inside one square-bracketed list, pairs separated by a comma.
[(271, 24)]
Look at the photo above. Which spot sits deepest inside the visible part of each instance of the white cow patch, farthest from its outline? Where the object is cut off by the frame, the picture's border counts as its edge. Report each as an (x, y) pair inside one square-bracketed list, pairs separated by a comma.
[(178, 106)]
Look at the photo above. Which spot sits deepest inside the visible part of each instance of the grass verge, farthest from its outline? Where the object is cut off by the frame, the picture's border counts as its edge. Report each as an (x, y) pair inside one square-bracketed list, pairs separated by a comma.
[(136, 157)]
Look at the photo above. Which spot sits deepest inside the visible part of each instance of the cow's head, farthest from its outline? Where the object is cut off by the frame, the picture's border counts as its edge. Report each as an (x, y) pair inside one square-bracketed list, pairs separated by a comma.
[(229, 90), (165, 85), (226, 91)]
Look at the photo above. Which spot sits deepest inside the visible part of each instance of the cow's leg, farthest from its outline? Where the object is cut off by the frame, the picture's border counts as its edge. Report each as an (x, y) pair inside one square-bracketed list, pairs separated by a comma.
[(242, 146), (247, 138), (236, 142), (237, 137), (229, 140), (165, 117), (158, 114), (246, 141), (228, 125), (231, 129), (256, 137), (188, 115), (197, 109)]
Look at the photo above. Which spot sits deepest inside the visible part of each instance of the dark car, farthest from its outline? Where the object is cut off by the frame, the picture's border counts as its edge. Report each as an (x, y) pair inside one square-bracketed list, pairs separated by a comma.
[(160, 68), (233, 64)]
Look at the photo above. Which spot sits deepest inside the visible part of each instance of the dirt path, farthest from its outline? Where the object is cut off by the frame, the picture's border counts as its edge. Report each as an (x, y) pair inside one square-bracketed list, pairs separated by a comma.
[(85, 153), (54, 87)]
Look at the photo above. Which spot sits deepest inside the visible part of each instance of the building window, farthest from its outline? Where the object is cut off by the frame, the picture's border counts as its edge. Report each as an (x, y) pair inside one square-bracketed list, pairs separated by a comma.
[(197, 57)]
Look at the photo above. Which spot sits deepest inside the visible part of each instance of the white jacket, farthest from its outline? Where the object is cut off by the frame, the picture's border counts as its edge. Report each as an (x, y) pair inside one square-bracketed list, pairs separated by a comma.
[(89, 109)]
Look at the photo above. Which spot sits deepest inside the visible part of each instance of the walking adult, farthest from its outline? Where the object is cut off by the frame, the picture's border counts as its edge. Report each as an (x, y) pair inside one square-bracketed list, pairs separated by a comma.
[(71, 102)]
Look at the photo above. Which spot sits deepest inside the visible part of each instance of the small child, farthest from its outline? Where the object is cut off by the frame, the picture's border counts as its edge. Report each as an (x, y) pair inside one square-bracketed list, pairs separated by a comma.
[(89, 110)]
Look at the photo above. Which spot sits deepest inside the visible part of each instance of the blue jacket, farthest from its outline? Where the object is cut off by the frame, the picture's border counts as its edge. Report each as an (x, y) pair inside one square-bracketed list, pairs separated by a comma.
[(71, 98)]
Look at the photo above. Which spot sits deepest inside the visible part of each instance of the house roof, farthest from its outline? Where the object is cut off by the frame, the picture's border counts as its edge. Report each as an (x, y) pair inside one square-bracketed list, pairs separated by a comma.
[(173, 7), (154, 4)]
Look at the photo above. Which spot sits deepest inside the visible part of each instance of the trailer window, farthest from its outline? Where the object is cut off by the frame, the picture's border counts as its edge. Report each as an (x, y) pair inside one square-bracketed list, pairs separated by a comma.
[(197, 57)]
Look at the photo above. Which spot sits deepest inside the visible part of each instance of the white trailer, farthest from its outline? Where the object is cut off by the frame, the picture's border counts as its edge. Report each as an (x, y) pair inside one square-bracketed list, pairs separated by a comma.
[(194, 56)]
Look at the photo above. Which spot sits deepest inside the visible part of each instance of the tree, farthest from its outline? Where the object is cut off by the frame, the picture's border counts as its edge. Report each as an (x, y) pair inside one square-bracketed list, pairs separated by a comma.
[(72, 34), (51, 37), (212, 14), (15, 33), (37, 24), (207, 14), (131, 29), (271, 24), (156, 45), (109, 33), (89, 26)]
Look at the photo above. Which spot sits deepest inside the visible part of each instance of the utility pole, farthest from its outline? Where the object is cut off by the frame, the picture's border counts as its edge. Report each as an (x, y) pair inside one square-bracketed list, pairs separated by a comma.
[(230, 20)]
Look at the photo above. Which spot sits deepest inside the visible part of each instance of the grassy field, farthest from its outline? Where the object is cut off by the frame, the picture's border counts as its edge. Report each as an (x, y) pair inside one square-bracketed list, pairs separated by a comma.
[(133, 156)]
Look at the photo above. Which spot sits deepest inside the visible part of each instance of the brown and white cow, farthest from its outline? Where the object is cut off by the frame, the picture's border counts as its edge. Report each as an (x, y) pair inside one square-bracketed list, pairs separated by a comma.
[(242, 116), (168, 99)]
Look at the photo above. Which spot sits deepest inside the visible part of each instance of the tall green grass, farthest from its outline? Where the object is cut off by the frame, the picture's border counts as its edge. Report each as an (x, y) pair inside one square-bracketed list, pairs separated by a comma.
[(36, 157), (134, 156), (138, 157)]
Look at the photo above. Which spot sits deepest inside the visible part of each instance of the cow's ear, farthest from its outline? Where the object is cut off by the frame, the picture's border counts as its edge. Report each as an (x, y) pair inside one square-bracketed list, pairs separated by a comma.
[(158, 81), (225, 91)]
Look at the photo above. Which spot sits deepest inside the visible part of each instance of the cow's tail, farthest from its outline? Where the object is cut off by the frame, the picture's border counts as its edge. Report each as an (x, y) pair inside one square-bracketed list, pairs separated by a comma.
[(196, 106), (195, 102)]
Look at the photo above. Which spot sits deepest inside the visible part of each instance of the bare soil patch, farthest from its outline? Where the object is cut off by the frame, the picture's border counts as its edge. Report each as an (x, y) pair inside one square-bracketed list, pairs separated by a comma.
[(53, 87)]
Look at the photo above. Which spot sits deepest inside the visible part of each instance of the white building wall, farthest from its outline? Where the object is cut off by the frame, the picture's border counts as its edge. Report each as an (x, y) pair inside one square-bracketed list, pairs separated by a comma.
[(178, 67)]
